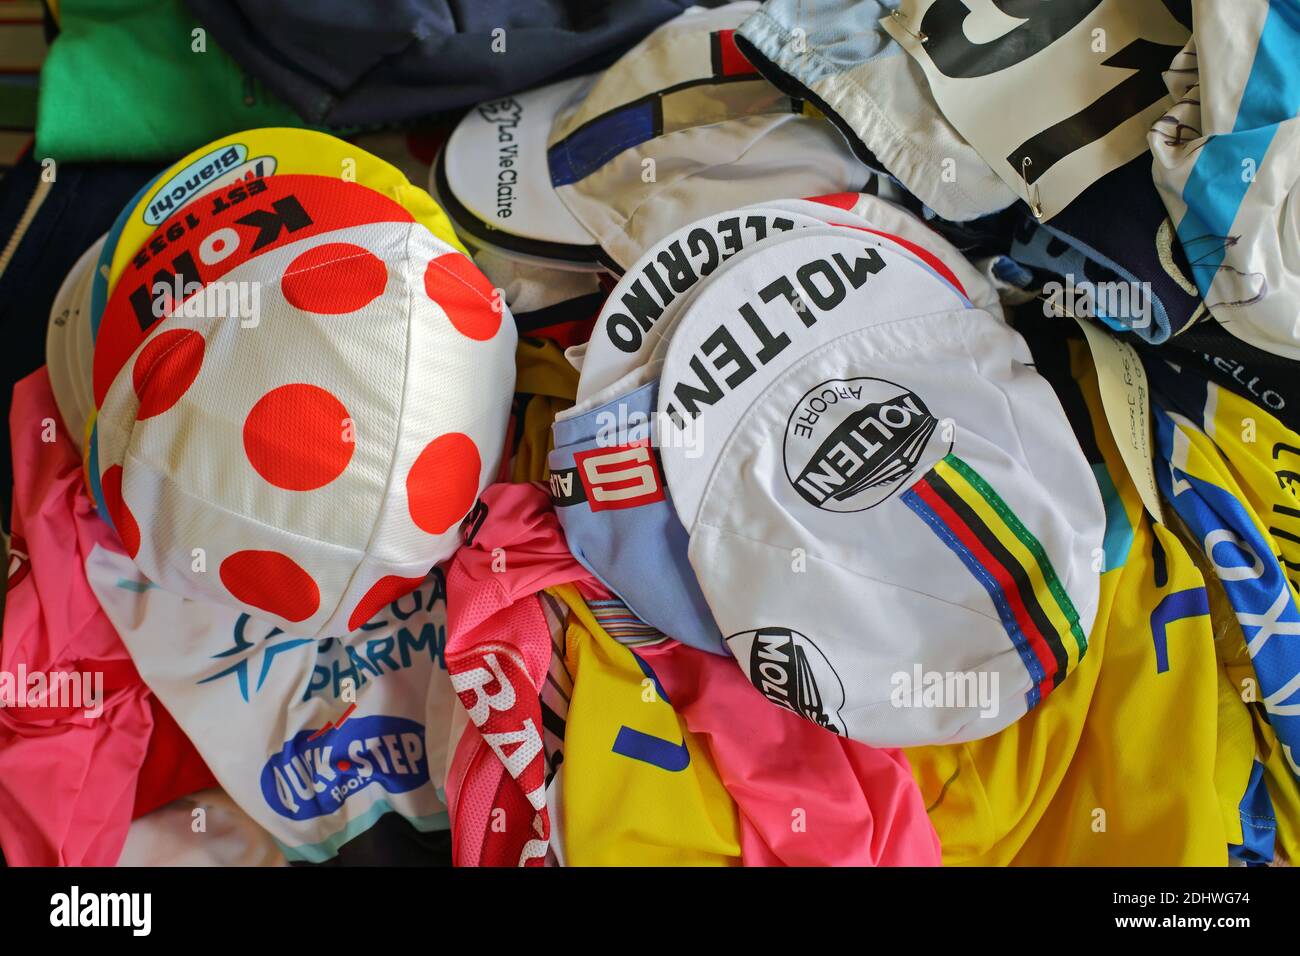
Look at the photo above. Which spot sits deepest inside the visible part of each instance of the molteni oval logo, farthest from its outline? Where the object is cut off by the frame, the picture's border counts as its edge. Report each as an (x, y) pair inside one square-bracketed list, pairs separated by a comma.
[(793, 673), (313, 775), (850, 443)]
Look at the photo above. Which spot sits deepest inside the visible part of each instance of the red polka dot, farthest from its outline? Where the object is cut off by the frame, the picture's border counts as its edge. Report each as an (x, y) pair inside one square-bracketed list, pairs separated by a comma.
[(443, 483), (165, 368), (299, 437), (385, 591), (272, 582), (334, 278), (344, 765), (838, 200), (465, 294), (123, 520)]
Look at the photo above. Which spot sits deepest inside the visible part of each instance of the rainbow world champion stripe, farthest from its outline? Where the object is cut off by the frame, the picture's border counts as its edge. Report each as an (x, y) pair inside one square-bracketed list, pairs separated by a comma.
[(978, 526)]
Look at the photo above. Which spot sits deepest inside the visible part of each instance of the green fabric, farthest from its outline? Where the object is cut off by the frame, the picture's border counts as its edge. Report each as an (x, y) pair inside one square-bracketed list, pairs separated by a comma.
[(121, 82)]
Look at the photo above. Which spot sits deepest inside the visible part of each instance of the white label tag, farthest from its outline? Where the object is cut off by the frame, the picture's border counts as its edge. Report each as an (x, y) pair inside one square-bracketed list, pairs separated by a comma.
[(1054, 95), (1126, 399)]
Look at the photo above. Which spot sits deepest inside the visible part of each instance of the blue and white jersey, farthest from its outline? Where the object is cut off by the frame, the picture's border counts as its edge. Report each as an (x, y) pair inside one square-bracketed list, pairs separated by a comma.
[(1227, 161)]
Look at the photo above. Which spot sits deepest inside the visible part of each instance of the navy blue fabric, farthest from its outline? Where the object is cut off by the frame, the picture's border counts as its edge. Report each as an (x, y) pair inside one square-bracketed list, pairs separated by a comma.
[(1108, 234), (81, 205), (339, 62), (591, 146)]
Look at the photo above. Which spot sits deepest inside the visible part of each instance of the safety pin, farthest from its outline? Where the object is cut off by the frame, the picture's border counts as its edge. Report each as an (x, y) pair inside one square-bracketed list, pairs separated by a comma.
[(1032, 195), (897, 17)]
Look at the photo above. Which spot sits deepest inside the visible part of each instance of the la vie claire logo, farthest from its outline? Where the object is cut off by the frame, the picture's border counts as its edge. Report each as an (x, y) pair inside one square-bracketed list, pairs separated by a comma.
[(313, 774)]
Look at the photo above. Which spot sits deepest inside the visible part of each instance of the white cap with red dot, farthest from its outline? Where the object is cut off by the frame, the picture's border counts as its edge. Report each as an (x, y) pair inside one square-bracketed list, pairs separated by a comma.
[(303, 436)]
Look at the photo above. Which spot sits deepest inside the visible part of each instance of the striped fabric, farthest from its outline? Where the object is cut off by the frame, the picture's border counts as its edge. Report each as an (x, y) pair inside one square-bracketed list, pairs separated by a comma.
[(971, 518), (621, 624), (557, 689)]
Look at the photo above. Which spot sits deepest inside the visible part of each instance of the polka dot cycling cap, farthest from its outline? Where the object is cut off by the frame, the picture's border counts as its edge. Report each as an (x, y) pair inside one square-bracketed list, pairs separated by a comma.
[(219, 172), (300, 431)]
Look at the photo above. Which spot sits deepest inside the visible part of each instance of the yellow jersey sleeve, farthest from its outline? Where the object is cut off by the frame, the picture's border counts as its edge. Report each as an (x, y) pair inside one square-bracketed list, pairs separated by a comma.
[(640, 789)]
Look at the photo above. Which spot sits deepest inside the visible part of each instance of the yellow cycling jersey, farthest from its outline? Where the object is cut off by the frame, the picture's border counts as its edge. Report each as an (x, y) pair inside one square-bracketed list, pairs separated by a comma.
[(639, 788), (1084, 779)]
